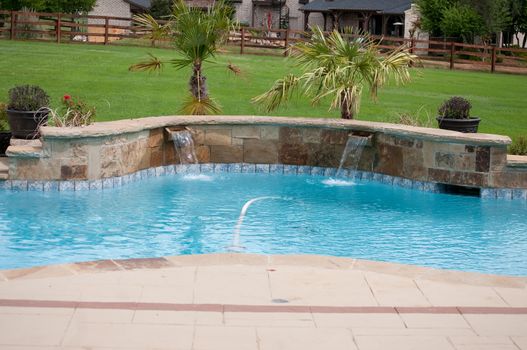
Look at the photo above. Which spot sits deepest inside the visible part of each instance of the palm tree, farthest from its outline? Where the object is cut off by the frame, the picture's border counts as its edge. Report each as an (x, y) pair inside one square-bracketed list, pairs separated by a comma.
[(338, 68), (197, 36)]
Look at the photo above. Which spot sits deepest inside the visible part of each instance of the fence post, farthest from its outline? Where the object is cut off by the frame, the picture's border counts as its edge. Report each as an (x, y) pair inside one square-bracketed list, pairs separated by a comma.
[(59, 28), (106, 30), (286, 42), (13, 25), (242, 42), (493, 63), (452, 52)]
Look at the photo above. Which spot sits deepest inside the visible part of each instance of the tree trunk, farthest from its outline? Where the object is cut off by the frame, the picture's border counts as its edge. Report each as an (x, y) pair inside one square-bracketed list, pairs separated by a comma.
[(524, 40), (345, 110), (198, 83)]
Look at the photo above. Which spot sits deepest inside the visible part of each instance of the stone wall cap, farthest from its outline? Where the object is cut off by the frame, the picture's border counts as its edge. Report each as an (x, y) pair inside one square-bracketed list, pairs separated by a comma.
[(516, 161), (102, 129)]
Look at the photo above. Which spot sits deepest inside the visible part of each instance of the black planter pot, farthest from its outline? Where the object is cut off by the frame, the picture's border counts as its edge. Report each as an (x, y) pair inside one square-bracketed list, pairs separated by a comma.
[(24, 125), (5, 139), (461, 125)]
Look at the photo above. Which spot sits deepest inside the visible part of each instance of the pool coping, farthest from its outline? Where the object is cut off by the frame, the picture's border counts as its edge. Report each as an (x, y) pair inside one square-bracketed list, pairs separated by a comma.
[(246, 168), (225, 259)]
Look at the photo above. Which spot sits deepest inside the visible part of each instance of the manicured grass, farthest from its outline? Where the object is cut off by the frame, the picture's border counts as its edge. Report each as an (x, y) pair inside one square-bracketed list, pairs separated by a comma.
[(99, 74)]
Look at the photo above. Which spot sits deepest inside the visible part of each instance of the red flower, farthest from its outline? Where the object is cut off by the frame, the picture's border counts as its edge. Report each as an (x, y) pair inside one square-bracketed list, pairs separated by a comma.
[(67, 97)]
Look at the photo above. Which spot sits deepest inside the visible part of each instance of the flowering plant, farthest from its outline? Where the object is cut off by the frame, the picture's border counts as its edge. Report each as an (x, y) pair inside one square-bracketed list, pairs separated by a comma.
[(74, 112)]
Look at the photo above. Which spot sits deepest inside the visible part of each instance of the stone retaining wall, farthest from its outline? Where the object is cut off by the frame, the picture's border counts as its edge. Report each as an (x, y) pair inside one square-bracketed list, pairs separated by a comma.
[(115, 149)]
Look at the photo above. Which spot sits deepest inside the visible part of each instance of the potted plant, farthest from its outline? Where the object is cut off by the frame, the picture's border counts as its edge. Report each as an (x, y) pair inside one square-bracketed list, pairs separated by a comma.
[(27, 110), (5, 134), (454, 114)]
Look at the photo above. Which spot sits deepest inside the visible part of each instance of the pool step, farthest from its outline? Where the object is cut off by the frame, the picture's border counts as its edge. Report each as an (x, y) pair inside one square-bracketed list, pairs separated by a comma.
[(25, 149), (517, 161), (4, 168)]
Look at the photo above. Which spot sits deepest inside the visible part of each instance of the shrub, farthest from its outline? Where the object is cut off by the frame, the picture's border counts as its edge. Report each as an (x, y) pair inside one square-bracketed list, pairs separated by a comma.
[(414, 119), (4, 125), (27, 98), (455, 108), (519, 147), (74, 112)]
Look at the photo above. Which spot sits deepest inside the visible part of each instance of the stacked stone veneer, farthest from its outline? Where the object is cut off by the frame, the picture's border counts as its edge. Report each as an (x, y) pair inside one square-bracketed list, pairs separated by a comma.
[(114, 149)]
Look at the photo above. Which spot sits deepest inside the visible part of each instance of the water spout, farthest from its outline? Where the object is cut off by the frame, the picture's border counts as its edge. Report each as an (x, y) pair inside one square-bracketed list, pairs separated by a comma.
[(352, 153), (184, 146)]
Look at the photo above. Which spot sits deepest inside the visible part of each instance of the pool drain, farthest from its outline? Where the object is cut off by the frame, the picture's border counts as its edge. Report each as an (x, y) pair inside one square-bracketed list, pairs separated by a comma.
[(280, 301)]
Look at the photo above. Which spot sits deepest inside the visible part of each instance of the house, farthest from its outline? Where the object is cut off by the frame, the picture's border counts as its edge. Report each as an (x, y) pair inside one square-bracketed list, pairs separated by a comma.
[(114, 8), (379, 17)]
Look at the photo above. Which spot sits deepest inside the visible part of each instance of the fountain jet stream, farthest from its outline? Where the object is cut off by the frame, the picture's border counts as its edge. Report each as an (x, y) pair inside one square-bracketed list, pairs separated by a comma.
[(235, 245)]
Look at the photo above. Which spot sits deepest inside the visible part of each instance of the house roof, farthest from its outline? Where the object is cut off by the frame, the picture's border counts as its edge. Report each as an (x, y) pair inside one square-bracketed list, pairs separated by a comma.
[(381, 6), (143, 4)]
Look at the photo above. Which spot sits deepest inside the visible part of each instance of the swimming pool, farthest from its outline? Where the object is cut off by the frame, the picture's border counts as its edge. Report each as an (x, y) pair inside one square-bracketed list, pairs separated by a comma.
[(189, 214)]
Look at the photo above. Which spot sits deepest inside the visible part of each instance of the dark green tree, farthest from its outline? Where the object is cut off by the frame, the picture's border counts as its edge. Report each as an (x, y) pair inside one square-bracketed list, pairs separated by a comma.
[(432, 15), (461, 21), (64, 6)]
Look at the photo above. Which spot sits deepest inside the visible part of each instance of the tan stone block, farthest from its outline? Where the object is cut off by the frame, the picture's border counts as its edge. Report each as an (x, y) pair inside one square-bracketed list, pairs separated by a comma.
[(429, 154), (226, 154), (413, 164), (290, 135), (439, 175), (368, 159), (259, 151), (156, 138), (498, 158), (326, 155), (509, 179), (237, 141), (35, 169), (74, 172), (198, 135), (465, 162), (269, 132), (218, 137), (469, 179), (68, 149), (390, 160), (171, 156), (203, 154), (334, 137), (246, 132), (156, 157), (311, 135), (295, 154)]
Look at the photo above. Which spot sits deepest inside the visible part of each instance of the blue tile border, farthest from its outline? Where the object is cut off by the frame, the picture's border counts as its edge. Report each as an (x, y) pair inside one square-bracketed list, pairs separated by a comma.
[(170, 170)]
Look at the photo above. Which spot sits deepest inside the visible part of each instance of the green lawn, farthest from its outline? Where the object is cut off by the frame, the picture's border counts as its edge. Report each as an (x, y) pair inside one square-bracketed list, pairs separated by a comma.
[(100, 75)]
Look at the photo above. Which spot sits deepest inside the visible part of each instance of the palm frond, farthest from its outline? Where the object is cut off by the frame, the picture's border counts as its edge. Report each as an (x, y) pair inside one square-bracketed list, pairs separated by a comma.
[(151, 65), (280, 92), (152, 28), (204, 106)]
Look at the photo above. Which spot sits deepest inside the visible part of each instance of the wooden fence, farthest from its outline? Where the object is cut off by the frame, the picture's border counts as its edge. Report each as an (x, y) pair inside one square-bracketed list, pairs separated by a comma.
[(106, 30)]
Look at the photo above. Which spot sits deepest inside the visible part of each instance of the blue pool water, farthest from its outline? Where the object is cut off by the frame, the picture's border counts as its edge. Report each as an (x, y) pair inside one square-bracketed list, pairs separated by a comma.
[(176, 215)]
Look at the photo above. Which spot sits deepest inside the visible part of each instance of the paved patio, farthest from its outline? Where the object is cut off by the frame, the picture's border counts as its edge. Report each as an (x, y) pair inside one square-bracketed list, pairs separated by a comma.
[(248, 302)]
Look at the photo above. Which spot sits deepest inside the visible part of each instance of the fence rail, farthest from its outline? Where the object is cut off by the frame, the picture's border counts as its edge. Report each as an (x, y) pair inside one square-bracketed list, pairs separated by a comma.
[(73, 28)]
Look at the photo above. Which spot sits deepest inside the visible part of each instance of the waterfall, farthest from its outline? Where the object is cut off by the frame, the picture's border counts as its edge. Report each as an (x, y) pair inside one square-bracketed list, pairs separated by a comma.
[(184, 145), (353, 151)]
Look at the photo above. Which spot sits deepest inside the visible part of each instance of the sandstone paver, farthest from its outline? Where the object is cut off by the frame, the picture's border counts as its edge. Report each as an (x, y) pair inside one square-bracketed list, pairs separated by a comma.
[(305, 339)]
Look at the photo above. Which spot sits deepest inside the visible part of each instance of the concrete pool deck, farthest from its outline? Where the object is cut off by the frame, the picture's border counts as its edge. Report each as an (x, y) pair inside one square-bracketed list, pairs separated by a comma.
[(240, 301)]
